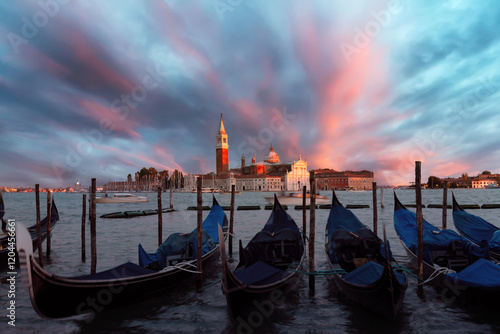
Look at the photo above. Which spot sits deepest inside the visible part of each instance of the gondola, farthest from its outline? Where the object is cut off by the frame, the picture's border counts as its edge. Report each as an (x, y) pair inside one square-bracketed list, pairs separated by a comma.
[(451, 262), (476, 229), (4, 237), (364, 273), (266, 270), (137, 213), (54, 296)]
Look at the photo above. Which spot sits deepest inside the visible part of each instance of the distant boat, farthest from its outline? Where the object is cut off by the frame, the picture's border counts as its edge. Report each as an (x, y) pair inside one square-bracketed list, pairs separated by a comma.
[(121, 198), (492, 186), (296, 199)]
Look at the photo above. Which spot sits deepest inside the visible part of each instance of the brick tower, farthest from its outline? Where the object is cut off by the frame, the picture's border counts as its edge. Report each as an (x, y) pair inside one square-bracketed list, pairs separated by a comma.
[(221, 148)]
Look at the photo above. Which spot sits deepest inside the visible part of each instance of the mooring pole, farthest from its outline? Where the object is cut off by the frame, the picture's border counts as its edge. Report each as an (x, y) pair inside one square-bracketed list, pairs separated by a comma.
[(84, 218), (38, 226), (375, 214), (231, 220), (420, 240), (445, 203), (312, 232), (171, 197), (49, 217), (304, 213), (93, 242), (382, 201), (199, 233), (160, 218)]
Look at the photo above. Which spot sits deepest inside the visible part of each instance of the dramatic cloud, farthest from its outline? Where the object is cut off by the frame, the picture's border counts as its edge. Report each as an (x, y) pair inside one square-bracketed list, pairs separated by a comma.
[(103, 88)]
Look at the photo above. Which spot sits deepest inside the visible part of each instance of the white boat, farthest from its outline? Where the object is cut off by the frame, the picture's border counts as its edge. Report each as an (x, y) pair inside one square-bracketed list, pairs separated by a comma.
[(296, 199), (121, 198)]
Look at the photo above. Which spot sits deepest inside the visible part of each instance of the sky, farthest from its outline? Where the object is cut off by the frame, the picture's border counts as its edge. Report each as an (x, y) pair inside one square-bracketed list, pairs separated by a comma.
[(104, 88)]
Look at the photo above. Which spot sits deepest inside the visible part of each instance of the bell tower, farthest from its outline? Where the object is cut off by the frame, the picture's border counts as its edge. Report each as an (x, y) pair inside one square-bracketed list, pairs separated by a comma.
[(221, 149)]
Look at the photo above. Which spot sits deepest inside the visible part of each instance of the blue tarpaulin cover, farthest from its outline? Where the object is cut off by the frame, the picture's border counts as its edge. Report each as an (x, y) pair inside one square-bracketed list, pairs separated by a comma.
[(369, 273), (260, 273), (405, 223), (494, 243), (473, 227), (177, 243), (482, 273)]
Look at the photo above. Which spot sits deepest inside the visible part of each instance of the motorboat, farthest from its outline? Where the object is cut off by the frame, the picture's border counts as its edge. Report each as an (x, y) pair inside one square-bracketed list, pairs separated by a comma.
[(121, 198), (295, 198)]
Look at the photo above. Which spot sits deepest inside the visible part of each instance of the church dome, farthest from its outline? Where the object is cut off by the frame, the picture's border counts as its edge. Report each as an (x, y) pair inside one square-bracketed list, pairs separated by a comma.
[(272, 157)]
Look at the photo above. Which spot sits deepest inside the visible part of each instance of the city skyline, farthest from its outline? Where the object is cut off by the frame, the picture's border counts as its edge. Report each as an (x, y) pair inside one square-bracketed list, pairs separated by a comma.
[(94, 89)]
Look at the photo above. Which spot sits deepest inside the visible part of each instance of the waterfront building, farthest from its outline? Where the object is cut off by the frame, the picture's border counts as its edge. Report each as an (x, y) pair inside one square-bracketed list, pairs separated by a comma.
[(331, 179)]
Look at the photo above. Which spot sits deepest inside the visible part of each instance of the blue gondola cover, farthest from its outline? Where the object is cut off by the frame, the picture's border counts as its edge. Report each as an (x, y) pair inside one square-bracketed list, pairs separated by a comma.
[(482, 273)]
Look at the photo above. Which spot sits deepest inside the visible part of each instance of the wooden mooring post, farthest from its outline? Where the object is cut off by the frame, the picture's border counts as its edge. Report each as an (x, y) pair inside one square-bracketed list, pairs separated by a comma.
[(49, 217), (160, 218), (38, 226), (231, 220), (312, 232), (199, 232), (382, 200), (93, 241), (375, 214), (304, 214), (171, 197), (420, 240), (84, 219), (445, 203)]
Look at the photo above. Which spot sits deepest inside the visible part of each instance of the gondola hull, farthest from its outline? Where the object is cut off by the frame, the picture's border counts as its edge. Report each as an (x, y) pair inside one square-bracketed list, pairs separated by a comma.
[(373, 284), (243, 299), (267, 271), (384, 297), (59, 297)]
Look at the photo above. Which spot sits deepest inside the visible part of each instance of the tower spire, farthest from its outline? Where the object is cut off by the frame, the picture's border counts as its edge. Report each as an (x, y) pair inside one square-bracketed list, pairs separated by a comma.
[(222, 130)]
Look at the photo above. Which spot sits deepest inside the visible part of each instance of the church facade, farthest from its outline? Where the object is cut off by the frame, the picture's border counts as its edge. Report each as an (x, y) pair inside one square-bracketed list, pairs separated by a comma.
[(270, 174)]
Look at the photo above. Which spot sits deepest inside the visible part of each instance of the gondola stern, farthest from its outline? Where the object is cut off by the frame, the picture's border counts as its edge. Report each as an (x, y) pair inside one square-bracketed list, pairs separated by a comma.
[(335, 200), (456, 206), (397, 204)]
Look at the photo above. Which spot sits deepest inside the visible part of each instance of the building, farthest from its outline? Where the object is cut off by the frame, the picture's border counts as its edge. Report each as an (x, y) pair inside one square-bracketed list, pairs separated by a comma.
[(221, 150), (482, 181), (270, 174), (327, 179)]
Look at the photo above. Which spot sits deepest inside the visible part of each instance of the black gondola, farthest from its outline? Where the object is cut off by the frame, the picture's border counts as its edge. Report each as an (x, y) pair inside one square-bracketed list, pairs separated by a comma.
[(476, 229), (53, 296), (6, 246), (364, 272), (267, 265), (450, 261)]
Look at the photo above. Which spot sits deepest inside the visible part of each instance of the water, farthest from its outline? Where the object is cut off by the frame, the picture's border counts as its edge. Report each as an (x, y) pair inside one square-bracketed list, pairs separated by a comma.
[(186, 311)]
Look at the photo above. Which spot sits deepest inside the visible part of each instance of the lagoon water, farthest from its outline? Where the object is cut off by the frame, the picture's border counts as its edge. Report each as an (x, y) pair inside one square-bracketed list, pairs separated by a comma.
[(186, 311)]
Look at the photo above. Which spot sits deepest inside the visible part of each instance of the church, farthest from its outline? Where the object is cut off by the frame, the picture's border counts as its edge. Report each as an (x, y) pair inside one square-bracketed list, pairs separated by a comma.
[(268, 175)]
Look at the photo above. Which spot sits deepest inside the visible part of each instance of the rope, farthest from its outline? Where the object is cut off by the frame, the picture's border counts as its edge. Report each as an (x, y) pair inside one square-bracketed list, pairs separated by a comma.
[(316, 272), (436, 273), (209, 285), (401, 268), (181, 266)]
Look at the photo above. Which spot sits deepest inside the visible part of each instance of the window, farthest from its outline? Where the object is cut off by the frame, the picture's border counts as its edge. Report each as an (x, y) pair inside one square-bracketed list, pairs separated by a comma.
[(225, 140)]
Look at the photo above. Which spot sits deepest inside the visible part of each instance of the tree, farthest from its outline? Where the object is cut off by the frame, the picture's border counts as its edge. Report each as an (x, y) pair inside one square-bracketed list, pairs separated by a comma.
[(129, 178), (486, 172), (464, 176), (498, 180), (434, 182), (143, 173), (153, 173)]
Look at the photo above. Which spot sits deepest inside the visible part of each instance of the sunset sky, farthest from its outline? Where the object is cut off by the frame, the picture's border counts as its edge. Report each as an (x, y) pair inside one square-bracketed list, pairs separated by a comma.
[(103, 88)]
